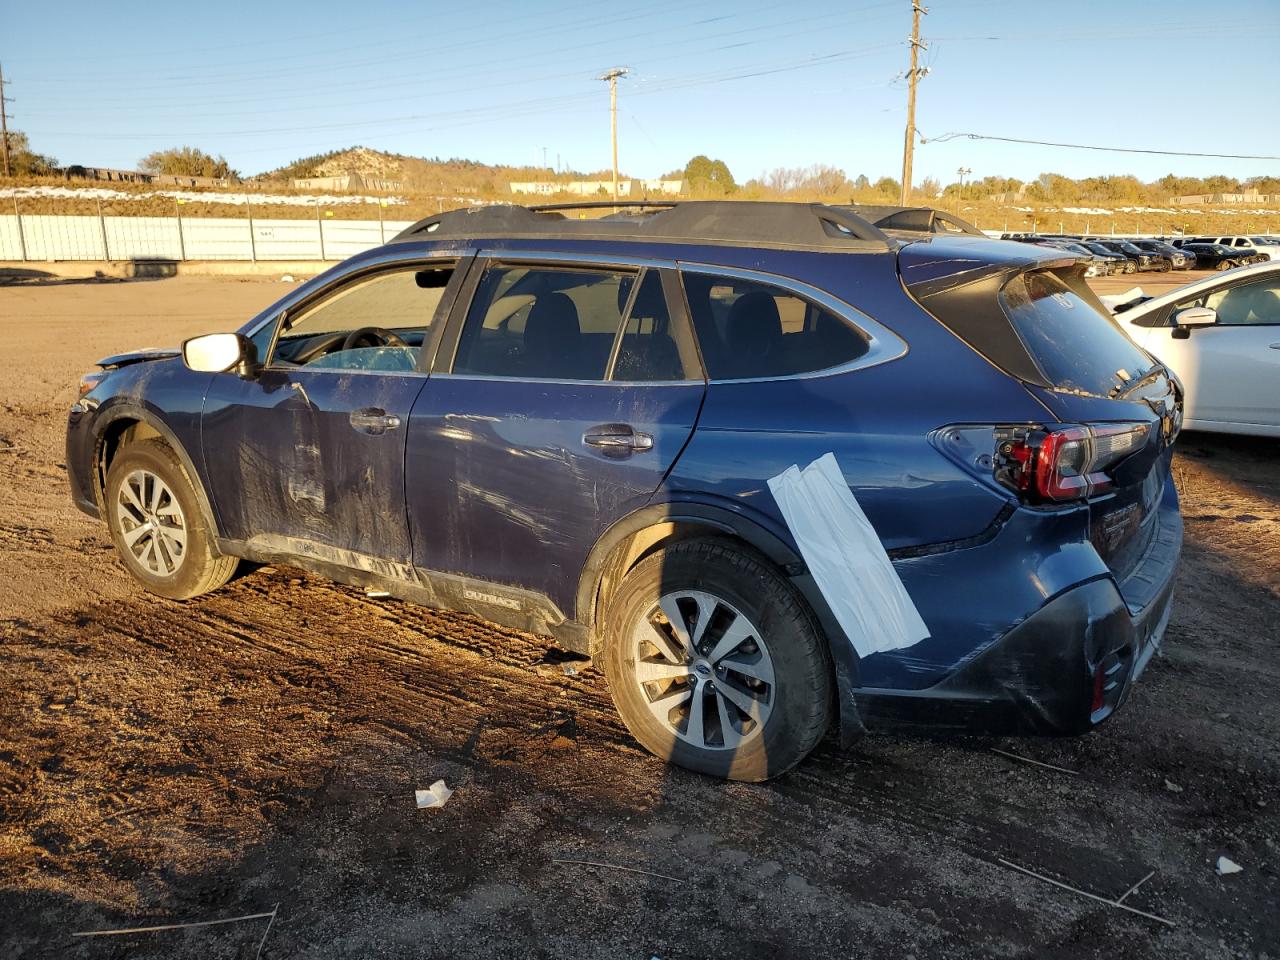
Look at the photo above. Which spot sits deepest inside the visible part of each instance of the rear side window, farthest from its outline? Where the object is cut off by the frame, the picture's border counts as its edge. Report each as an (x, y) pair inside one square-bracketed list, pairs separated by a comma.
[(749, 330), (546, 323), (543, 324), (1071, 341)]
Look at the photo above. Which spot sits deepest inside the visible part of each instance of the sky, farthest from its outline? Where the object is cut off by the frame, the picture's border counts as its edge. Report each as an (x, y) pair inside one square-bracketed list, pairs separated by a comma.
[(759, 85)]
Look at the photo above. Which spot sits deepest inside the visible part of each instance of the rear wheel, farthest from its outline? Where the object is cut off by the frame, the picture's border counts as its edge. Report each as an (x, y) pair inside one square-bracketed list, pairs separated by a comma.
[(157, 525), (715, 662)]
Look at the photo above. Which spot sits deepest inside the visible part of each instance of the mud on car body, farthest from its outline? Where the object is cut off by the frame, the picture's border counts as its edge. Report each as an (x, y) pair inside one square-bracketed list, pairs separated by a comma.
[(569, 426)]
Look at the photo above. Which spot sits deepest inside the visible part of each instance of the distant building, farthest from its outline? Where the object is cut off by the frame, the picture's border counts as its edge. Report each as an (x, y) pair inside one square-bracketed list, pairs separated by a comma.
[(604, 188), (1201, 199), (77, 172), (347, 183)]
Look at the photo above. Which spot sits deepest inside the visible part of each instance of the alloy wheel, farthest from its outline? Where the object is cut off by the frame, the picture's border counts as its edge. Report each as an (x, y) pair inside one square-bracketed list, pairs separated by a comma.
[(151, 523), (704, 670)]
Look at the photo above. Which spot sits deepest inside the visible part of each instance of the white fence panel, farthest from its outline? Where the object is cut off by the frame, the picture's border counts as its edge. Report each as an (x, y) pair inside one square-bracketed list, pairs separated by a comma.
[(201, 238), (212, 238), (287, 239), (141, 238), (62, 238), (10, 242)]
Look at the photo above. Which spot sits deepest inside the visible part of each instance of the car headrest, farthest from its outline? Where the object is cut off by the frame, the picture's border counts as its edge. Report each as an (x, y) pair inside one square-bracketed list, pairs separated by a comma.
[(754, 322), (553, 319)]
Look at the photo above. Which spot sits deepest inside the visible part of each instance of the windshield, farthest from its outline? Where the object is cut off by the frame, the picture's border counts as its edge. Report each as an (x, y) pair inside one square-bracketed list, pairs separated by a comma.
[(1076, 345), (1128, 248)]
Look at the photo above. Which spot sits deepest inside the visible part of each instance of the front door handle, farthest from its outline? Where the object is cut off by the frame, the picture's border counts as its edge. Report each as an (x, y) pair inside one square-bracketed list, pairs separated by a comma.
[(373, 420), (617, 439)]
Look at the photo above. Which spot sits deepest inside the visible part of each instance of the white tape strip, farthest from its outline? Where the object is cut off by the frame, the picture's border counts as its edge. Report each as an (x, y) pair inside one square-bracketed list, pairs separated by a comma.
[(846, 558)]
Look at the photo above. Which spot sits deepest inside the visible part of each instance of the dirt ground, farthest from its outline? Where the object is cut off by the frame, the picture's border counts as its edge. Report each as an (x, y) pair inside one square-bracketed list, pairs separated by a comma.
[(173, 762)]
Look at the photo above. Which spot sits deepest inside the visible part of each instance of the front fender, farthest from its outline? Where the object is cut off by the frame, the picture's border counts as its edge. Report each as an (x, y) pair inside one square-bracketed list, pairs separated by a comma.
[(178, 436)]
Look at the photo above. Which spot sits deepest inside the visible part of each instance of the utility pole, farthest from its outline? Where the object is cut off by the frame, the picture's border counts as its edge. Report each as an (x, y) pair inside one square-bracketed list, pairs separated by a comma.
[(612, 76), (4, 125), (912, 76)]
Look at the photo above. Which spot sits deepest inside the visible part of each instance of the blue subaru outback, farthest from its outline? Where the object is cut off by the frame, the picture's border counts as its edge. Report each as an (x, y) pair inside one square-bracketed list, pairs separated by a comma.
[(778, 467)]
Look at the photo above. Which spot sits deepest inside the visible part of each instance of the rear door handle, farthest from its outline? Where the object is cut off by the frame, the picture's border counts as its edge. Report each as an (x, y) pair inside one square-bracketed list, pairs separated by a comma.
[(617, 439), (373, 421)]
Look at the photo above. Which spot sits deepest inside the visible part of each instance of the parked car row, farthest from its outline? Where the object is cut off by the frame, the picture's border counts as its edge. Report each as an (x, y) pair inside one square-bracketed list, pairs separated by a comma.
[(1133, 255)]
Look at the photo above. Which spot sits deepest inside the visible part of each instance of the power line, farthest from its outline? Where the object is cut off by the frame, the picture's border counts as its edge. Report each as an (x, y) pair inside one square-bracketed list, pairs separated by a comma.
[(1084, 146)]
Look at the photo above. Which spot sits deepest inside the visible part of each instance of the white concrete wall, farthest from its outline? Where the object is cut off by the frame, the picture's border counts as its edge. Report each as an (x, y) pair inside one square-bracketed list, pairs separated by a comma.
[(202, 238)]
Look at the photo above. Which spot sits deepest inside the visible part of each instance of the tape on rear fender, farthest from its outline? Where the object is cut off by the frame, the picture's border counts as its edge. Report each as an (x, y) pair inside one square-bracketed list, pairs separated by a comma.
[(847, 559)]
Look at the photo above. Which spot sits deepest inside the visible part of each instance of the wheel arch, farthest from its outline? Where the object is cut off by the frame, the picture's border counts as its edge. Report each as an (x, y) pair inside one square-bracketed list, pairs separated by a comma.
[(632, 538), (128, 423)]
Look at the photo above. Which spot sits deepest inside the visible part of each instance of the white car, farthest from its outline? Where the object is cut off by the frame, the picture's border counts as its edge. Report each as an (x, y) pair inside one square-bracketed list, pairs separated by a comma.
[(1221, 336)]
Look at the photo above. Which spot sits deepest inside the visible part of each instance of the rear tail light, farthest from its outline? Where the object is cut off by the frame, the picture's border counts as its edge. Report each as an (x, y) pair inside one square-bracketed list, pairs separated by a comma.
[(1064, 463)]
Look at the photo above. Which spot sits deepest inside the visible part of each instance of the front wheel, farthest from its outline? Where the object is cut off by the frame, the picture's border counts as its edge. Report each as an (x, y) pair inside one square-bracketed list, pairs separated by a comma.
[(157, 525), (1130, 267), (715, 662)]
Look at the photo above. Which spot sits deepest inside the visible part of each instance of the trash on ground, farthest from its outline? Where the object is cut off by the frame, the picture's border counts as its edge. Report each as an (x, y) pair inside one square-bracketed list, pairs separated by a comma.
[(1172, 787), (377, 594), (437, 795), (287, 278), (1226, 866), (569, 670)]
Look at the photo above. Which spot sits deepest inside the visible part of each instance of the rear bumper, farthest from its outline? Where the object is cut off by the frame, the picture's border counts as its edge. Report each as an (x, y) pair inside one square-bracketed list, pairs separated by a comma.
[(1063, 670)]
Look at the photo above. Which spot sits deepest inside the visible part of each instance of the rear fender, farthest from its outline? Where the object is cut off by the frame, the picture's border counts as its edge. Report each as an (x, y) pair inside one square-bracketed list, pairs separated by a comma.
[(635, 536)]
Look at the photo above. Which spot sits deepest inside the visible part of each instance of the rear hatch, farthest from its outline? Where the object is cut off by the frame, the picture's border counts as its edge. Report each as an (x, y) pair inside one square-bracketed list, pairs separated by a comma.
[(1112, 410)]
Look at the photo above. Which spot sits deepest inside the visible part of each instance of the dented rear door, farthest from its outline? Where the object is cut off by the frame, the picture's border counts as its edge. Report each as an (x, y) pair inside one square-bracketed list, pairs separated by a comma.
[(511, 476)]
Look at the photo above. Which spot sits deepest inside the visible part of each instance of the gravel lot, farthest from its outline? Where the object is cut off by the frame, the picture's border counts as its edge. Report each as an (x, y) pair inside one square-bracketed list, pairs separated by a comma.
[(166, 762)]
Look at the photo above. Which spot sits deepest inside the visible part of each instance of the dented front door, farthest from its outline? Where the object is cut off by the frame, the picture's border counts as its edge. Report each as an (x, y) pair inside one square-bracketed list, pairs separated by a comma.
[(311, 462)]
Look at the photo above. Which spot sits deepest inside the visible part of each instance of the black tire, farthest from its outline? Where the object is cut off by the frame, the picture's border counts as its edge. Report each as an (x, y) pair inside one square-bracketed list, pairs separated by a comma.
[(1223, 265), (1165, 266), (799, 698), (1130, 267), (199, 568)]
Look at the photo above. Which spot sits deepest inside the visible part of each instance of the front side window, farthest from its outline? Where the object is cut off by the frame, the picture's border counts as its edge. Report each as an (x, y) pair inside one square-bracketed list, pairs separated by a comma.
[(749, 330), (374, 323), (1242, 304)]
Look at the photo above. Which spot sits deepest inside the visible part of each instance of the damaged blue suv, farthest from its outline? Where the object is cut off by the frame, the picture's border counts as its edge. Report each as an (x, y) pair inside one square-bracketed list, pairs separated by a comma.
[(777, 467)]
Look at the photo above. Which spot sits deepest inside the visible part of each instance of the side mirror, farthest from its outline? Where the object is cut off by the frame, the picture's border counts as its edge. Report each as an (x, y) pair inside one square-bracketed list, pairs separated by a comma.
[(220, 353), (1184, 320)]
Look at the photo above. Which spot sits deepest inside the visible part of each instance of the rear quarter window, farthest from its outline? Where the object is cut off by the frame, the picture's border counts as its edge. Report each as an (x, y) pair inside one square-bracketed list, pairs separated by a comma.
[(750, 330), (1075, 344)]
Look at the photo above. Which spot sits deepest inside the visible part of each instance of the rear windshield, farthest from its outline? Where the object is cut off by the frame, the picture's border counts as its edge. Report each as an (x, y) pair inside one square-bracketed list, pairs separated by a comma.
[(1074, 344)]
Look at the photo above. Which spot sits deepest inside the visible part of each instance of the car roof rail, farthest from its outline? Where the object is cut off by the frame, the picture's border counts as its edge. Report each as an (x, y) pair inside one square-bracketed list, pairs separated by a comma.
[(774, 224), (913, 219)]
